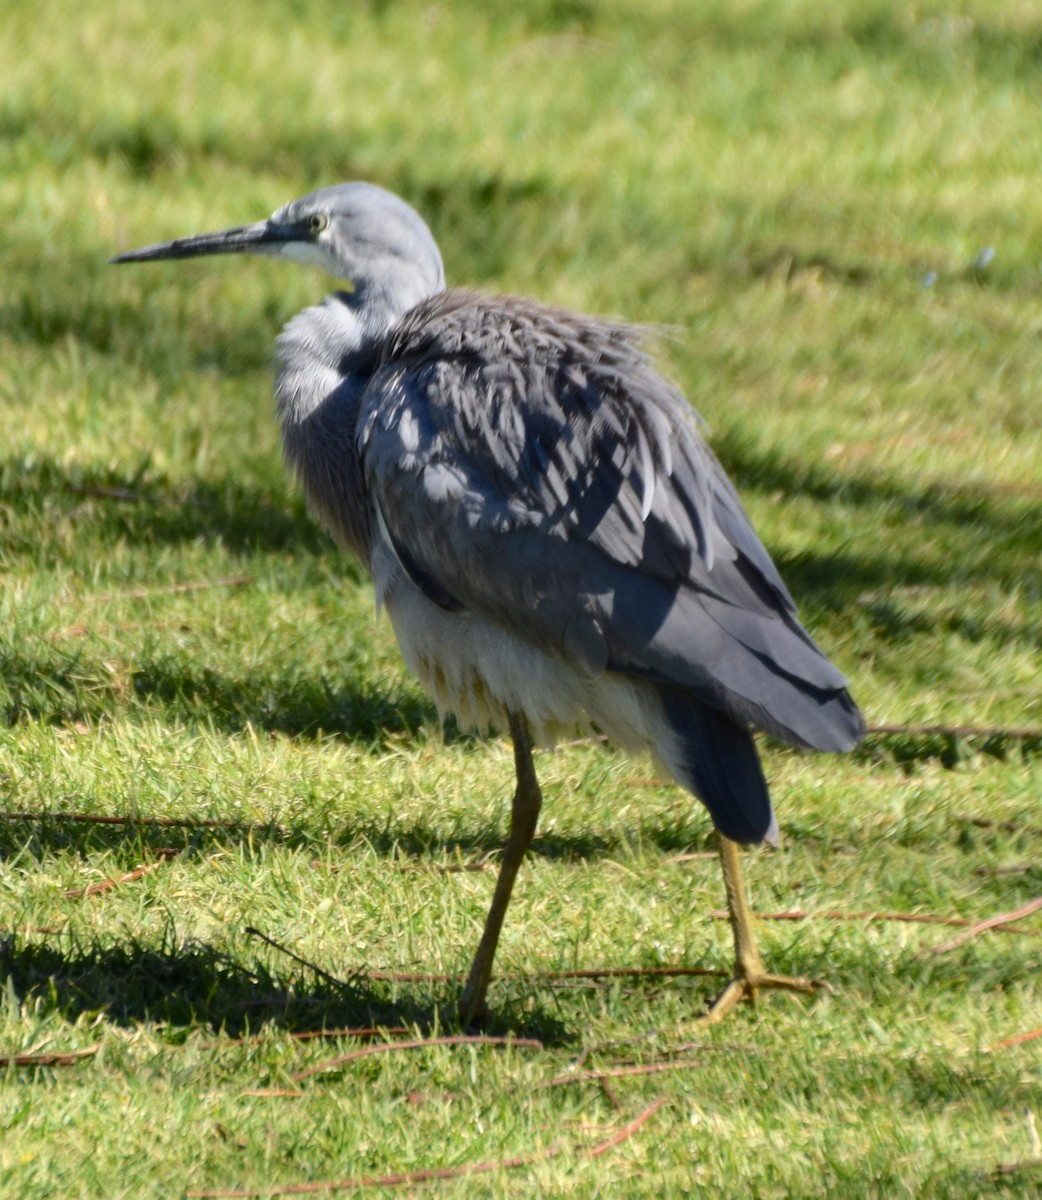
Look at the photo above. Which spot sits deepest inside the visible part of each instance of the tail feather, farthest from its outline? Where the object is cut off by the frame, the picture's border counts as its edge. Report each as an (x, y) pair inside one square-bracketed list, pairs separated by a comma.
[(713, 756)]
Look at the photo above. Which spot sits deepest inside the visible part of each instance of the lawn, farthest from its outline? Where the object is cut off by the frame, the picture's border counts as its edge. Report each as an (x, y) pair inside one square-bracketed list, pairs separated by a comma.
[(234, 835)]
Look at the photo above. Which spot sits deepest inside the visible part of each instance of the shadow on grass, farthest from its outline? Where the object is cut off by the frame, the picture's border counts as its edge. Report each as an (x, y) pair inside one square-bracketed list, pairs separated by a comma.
[(937, 532), (948, 747), (417, 847), (194, 984), (188, 984), (149, 508), (63, 688), (352, 710), (185, 984)]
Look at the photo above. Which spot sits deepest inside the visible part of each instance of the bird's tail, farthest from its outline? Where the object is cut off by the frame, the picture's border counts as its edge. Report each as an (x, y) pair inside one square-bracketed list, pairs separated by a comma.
[(713, 756)]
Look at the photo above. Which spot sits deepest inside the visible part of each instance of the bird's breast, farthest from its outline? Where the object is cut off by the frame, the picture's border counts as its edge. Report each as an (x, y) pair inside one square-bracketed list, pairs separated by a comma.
[(322, 371)]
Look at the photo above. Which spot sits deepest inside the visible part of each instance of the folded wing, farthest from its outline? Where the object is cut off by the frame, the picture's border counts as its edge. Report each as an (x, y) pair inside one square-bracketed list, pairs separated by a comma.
[(531, 466)]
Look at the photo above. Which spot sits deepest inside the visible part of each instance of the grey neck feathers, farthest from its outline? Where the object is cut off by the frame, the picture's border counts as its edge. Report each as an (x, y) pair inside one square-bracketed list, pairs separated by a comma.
[(325, 357)]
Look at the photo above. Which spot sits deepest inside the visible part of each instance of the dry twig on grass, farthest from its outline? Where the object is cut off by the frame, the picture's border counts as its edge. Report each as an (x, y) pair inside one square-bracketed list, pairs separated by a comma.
[(428, 1175), (106, 885), (603, 1073), (582, 973), (341, 984), (158, 822), (1014, 1168), (1002, 826), (49, 1058), (626, 1131), (991, 923), (174, 589), (402, 1179), (719, 914), (578, 974), (413, 868), (969, 731), (1018, 1039)]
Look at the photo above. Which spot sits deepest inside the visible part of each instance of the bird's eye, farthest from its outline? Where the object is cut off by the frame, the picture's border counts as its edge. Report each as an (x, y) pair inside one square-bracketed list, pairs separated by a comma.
[(316, 223)]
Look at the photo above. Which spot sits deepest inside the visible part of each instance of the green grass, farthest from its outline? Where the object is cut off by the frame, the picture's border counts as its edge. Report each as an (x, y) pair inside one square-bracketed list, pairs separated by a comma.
[(799, 196)]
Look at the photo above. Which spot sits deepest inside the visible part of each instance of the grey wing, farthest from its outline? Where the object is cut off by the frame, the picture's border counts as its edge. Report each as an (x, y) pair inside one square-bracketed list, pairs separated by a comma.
[(532, 467)]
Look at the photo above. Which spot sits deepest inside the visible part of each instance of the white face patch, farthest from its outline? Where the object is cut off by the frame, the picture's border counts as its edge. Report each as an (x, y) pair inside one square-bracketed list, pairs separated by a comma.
[(311, 254)]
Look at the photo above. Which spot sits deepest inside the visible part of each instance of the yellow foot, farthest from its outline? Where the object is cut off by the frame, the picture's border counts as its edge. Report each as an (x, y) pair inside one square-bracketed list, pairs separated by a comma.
[(747, 987)]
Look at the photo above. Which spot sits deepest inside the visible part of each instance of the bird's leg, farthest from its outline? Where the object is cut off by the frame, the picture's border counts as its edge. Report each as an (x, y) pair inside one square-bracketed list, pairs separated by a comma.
[(749, 975), (524, 814)]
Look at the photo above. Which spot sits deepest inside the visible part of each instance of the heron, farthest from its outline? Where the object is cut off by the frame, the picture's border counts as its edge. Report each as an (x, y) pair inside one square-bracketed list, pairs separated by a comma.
[(554, 542)]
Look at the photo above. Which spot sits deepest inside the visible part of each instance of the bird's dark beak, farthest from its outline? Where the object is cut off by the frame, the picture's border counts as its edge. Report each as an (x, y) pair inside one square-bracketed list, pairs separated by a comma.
[(265, 237)]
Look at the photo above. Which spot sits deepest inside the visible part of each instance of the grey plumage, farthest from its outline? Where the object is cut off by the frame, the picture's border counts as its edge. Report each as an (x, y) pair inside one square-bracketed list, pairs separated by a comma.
[(555, 543), (533, 464)]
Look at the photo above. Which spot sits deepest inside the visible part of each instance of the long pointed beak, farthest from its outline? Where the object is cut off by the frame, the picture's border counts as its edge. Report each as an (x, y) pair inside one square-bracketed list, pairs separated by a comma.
[(265, 237)]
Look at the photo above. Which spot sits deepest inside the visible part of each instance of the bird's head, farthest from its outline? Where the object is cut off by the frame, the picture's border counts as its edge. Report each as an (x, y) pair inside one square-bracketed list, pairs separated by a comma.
[(358, 232)]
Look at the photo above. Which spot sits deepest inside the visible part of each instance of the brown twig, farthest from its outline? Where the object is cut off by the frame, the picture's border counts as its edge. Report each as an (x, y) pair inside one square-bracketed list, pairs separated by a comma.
[(308, 1035), (427, 1175), (609, 1095), (174, 589), (96, 492), (111, 493), (445, 868), (408, 976), (990, 923), (319, 971), (1002, 826), (420, 1044), (158, 822), (626, 1131), (49, 1058), (1012, 1168), (632, 973), (720, 914), (894, 729), (972, 731), (402, 1179), (598, 1076), (106, 885), (1018, 1039), (552, 976)]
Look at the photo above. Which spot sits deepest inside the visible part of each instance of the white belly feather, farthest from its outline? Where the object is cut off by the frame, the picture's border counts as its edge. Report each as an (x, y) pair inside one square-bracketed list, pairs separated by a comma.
[(479, 673)]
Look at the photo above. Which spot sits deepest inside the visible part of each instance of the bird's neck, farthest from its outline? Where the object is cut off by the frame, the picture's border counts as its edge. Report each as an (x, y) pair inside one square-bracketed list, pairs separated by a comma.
[(325, 358), (378, 304)]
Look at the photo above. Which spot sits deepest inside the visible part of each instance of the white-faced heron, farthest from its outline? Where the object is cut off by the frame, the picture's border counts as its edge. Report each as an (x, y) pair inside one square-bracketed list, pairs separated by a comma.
[(556, 546)]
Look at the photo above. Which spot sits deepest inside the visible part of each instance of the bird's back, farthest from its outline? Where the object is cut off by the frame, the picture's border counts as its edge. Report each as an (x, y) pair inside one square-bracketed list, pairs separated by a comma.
[(500, 435), (552, 535)]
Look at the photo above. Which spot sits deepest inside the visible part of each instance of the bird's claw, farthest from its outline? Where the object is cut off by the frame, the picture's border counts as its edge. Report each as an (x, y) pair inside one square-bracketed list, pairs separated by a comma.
[(747, 987)]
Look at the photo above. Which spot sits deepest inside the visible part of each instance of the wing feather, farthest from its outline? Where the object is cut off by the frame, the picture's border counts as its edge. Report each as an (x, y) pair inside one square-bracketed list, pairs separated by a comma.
[(530, 465)]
